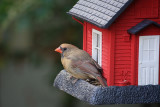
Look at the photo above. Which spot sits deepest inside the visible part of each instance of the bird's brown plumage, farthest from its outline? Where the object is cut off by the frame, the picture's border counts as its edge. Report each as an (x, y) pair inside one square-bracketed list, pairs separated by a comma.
[(79, 63)]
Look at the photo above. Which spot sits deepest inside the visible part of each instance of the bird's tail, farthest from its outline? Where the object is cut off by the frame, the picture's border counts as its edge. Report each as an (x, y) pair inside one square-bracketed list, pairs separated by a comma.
[(102, 81)]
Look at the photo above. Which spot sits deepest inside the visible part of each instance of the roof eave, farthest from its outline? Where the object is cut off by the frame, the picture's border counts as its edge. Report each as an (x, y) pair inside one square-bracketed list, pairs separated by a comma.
[(87, 20)]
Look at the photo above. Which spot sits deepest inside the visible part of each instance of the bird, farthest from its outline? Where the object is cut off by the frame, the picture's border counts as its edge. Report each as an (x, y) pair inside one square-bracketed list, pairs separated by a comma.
[(80, 64)]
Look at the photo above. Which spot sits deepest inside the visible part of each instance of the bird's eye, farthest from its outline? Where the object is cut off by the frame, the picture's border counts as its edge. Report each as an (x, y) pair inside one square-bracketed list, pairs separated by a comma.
[(64, 49)]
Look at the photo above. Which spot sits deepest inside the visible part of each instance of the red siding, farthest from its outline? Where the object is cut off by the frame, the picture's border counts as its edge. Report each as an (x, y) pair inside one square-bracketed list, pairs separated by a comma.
[(84, 36), (107, 57), (122, 54), (146, 8), (119, 49), (126, 52)]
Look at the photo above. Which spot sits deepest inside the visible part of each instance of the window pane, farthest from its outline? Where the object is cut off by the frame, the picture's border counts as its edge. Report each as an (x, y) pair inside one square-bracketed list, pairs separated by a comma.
[(98, 56), (95, 54), (97, 40)]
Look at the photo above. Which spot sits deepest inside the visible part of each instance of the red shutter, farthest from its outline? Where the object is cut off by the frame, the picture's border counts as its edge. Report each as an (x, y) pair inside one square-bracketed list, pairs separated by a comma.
[(146, 8)]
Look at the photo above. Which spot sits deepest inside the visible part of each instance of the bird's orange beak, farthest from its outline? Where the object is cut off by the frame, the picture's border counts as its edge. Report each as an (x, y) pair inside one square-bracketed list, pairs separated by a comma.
[(58, 50)]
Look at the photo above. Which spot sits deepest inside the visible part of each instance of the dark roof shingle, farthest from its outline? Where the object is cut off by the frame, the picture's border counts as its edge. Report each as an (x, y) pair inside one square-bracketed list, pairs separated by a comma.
[(140, 26), (101, 13)]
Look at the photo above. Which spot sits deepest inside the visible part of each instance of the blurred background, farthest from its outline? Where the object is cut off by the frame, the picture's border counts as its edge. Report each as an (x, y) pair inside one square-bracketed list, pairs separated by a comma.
[(30, 30)]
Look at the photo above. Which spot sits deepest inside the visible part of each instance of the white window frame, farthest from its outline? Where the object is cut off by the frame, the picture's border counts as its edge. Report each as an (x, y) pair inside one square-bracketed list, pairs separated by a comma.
[(98, 54)]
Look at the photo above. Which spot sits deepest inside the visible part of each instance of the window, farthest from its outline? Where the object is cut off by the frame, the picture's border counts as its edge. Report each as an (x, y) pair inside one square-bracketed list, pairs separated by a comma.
[(97, 46)]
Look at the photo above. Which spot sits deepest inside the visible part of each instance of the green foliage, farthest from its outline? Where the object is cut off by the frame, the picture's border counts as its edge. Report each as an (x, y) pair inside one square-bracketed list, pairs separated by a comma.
[(4, 6)]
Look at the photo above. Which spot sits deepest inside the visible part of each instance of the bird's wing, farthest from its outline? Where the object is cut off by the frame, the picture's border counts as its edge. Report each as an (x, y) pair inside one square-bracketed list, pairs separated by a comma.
[(97, 65), (86, 56), (86, 66)]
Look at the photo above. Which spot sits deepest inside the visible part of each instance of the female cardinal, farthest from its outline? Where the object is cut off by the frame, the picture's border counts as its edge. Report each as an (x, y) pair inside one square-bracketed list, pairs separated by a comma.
[(79, 63)]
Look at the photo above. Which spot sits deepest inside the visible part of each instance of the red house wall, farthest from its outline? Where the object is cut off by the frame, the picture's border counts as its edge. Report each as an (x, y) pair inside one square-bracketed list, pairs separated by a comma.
[(119, 49), (124, 49), (107, 48)]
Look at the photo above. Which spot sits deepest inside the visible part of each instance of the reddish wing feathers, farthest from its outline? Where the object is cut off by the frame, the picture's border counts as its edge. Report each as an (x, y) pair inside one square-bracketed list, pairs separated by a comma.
[(97, 66), (86, 66), (102, 81), (90, 70)]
